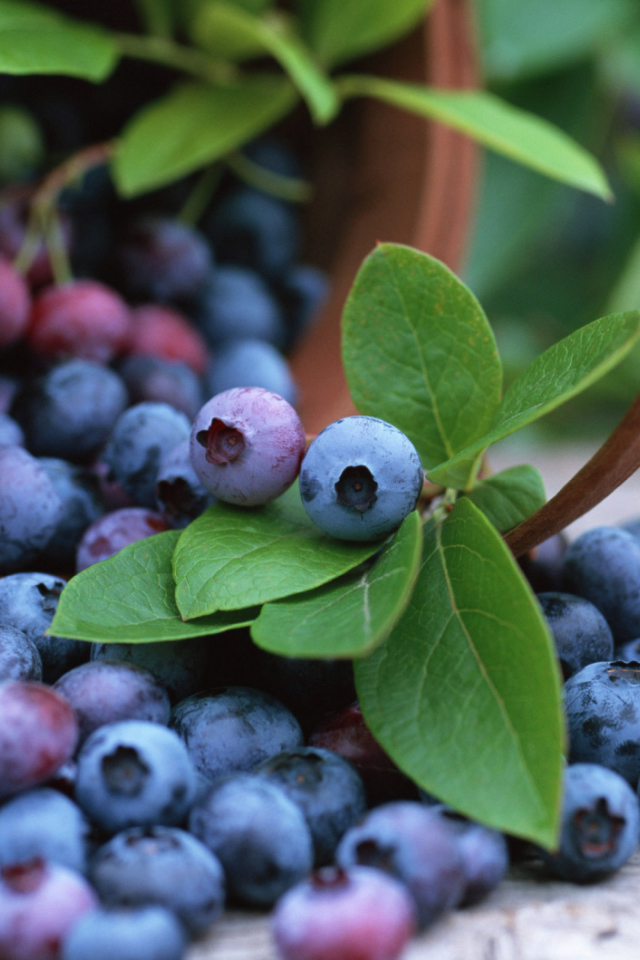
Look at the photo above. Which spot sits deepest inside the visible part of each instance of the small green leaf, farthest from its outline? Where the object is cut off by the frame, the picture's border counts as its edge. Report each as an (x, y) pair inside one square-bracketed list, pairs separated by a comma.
[(194, 125), (38, 40), (510, 496), (418, 352), (465, 693), (530, 37), (496, 124), (561, 372), (233, 557), (339, 30), (352, 615), (229, 31), (130, 599)]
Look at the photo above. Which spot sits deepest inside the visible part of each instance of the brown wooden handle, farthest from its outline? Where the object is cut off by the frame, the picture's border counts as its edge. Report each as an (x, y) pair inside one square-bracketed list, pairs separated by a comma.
[(611, 465)]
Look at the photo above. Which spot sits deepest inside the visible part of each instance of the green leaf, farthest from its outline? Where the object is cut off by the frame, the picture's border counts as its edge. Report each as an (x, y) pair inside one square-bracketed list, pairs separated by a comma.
[(352, 615), (228, 31), (38, 40), (561, 372), (233, 557), (418, 352), (496, 124), (194, 125), (530, 37), (130, 599), (510, 496), (465, 693), (339, 30)]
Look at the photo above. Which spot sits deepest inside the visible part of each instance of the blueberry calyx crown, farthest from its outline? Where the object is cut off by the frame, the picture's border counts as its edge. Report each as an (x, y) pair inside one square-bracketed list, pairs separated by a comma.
[(628, 670), (223, 443), (356, 488), (124, 772), (597, 830)]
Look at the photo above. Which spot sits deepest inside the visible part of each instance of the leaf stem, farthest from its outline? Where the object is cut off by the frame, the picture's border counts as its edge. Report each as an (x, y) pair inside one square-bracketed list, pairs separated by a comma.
[(168, 53), (292, 189), (201, 195), (611, 465)]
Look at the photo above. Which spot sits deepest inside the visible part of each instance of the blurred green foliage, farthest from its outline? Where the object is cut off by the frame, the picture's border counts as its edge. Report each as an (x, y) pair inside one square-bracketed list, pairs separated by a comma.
[(545, 259)]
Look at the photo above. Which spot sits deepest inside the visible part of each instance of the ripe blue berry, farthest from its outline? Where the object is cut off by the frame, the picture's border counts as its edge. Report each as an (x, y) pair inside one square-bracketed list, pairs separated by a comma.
[(580, 632), (344, 914), (148, 933), (19, 656), (180, 495), (360, 478), (251, 363), (29, 509), (600, 824), (44, 823), (246, 446)]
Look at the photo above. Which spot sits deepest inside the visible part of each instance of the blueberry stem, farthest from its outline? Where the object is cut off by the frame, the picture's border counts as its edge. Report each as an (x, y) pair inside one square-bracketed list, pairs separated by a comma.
[(611, 465)]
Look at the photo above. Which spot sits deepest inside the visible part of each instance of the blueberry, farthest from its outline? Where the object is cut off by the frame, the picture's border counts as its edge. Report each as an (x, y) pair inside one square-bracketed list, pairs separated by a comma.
[(236, 305), (163, 866), (542, 566), (82, 319), (163, 332), (304, 289), (111, 533), (580, 632), (157, 380), (342, 914), (485, 853), (259, 835), (345, 732), (141, 437), (29, 509), (327, 789), (251, 363), (44, 823), (19, 656), (71, 410), (309, 688), (134, 773), (181, 666), (255, 230), (600, 824), (234, 728), (180, 494), (79, 493), (603, 566), (628, 651), (406, 840), (106, 691), (11, 434), (360, 478), (148, 933), (28, 601), (246, 446), (602, 704), (38, 733), (39, 905), (163, 260)]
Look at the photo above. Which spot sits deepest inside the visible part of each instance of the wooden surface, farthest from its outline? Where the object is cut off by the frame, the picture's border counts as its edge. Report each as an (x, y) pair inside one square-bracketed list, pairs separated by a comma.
[(528, 917)]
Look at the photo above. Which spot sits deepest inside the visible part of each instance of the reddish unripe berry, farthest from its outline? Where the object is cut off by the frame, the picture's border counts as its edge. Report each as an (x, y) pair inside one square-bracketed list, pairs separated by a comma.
[(39, 904), (80, 319), (166, 333), (38, 733), (110, 533), (246, 446), (15, 304), (356, 914)]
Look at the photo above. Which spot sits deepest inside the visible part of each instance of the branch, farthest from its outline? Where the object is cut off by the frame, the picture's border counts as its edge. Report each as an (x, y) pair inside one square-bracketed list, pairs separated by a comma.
[(611, 465)]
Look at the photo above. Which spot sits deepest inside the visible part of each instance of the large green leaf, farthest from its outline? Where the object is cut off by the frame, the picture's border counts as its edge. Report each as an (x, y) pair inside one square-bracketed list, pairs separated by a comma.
[(561, 372), (465, 693), (352, 615), (509, 497), (228, 31), (233, 557), (533, 36), (339, 30), (130, 599), (418, 352), (496, 124), (194, 125), (36, 39)]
